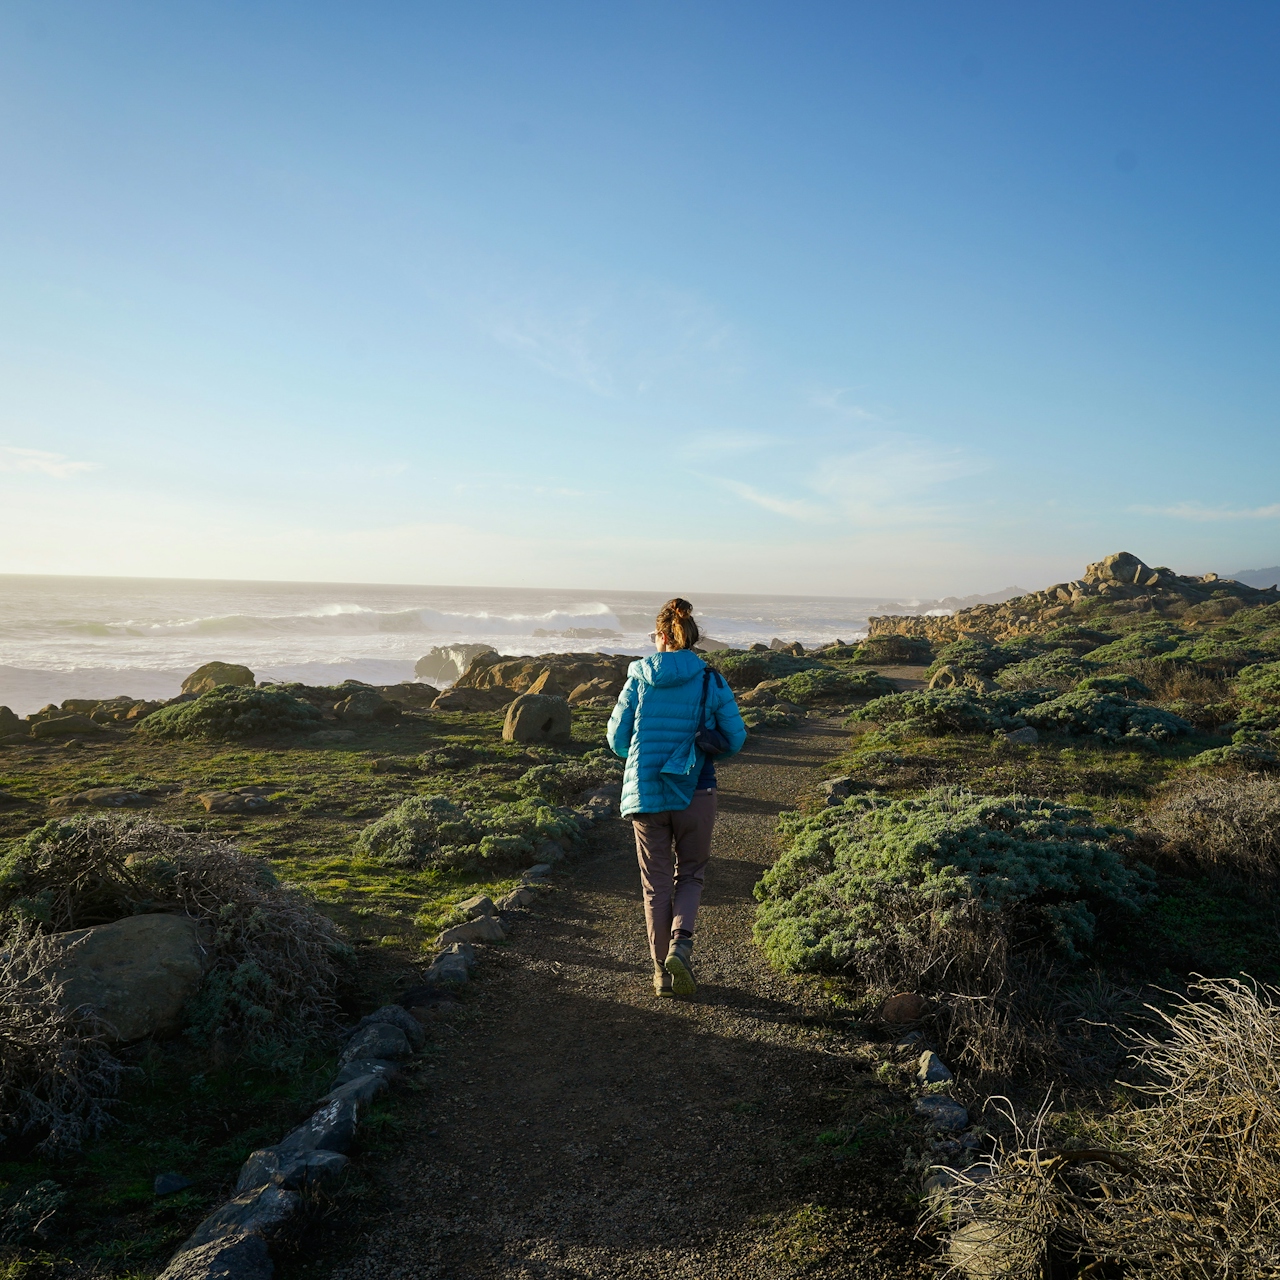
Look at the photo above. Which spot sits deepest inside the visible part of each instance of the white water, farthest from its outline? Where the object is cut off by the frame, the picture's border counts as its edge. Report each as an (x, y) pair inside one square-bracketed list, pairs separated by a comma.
[(97, 637)]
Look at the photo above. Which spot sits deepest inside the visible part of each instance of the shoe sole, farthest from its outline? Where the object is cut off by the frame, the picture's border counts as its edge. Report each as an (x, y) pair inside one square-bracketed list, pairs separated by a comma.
[(682, 982)]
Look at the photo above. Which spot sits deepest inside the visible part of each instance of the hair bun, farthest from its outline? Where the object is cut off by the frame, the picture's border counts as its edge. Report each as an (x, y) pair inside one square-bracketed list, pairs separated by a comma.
[(675, 620)]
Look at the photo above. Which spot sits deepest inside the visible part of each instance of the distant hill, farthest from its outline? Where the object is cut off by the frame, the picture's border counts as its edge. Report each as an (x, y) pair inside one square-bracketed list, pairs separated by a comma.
[(1258, 577)]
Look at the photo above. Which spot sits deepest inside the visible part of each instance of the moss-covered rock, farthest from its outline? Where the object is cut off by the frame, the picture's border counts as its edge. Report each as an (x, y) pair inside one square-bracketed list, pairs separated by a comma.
[(230, 712)]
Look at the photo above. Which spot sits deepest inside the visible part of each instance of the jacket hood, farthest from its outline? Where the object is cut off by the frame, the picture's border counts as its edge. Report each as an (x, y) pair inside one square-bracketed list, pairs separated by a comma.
[(677, 667)]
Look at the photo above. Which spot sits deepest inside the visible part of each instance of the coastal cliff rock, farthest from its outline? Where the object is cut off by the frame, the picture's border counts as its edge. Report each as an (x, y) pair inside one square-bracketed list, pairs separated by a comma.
[(446, 663), (1120, 583)]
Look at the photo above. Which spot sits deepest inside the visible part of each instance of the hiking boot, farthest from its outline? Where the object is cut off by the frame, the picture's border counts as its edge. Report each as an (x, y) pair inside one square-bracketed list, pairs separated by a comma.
[(661, 982), (680, 966)]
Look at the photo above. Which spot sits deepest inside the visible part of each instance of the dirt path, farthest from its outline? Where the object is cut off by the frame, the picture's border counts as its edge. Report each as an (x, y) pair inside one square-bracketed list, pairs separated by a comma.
[(578, 1127)]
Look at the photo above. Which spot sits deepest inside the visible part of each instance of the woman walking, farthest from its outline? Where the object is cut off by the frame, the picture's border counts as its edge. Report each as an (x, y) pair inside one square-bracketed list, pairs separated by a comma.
[(674, 715)]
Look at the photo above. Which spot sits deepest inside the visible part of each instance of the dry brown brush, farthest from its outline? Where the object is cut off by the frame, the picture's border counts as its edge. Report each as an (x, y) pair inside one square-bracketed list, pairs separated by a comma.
[(56, 1077), (1223, 825), (275, 960), (1186, 1183)]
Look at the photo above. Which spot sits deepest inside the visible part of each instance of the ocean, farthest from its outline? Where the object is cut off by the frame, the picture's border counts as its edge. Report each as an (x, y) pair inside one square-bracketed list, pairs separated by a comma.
[(63, 637)]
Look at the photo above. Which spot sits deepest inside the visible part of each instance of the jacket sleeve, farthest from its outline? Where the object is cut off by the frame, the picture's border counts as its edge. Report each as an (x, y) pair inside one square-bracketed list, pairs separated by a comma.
[(623, 719), (729, 719)]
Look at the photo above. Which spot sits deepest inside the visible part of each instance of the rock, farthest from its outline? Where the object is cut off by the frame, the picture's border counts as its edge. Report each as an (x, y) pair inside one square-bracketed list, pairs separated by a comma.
[(256, 1212), (167, 1184), (605, 800), (761, 696), (540, 872), (547, 685), (363, 1089), (453, 967), (237, 1257), (136, 974), (1025, 737), (599, 687), (212, 674), (331, 737), (394, 1016), (332, 1128), (366, 1067), (447, 663), (945, 1114), (10, 724), (376, 1040), (550, 851), (65, 725), (302, 1171), (517, 898), (480, 905), (905, 1007), (241, 800), (932, 1069), (535, 717), (468, 699), (365, 706), (103, 798), (836, 790), (481, 929)]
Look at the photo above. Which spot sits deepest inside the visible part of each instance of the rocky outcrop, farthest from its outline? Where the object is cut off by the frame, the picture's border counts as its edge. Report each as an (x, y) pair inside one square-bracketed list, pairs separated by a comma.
[(213, 674), (1117, 584), (446, 663), (564, 671), (135, 974)]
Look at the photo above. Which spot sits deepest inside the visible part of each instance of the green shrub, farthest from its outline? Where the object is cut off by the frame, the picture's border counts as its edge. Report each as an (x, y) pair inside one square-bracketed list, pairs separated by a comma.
[(431, 832), (940, 711), (971, 654), (1257, 691), (1081, 641), (1109, 716), (1251, 748), (1225, 651), (1151, 641), (746, 670), (422, 832), (894, 651), (1125, 684), (824, 685), (1046, 869), (1057, 669), (564, 781), (229, 712)]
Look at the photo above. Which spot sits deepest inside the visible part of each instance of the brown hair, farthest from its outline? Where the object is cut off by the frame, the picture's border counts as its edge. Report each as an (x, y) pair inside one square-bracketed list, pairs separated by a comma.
[(675, 621)]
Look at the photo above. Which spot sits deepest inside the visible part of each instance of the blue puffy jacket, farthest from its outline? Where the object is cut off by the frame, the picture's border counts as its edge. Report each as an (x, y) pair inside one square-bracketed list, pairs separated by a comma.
[(653, 727)]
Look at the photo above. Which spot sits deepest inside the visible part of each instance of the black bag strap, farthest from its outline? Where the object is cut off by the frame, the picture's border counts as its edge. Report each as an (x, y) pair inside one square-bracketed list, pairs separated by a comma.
[(706, 684)]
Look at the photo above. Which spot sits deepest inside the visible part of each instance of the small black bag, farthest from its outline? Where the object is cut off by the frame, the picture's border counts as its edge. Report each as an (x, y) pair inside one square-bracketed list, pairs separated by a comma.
[(711, 742)]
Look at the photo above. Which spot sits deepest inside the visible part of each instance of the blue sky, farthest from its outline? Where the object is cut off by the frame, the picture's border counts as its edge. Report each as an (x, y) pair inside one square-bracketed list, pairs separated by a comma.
[(839, 298)]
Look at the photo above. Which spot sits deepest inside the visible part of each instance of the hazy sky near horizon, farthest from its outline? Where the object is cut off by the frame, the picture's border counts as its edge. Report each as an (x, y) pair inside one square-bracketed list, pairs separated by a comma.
[(841, 298)]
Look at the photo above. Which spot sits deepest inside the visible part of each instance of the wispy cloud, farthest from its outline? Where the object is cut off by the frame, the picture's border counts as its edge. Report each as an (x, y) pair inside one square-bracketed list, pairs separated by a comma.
[(38, 462), (795, 509), (835, 400), (561, 347), (892, 479), (1195, 511), (720, 443)]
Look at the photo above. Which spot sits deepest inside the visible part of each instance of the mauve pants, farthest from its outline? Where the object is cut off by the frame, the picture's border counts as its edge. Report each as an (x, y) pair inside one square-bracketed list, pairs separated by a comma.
[(673, 849)]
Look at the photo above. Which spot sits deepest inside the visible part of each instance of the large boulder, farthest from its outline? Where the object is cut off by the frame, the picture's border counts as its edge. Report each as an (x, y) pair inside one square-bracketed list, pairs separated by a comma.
[(457, 699), (135, 974), (363, 706), (538, 717), (64, 726), (569, 670), (10, 724), (213, 674), (446, 663)]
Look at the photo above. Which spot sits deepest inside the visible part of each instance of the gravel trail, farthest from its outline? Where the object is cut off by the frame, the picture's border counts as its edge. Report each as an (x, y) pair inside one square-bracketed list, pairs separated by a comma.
[(575, 1126)]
